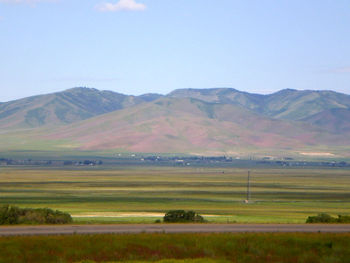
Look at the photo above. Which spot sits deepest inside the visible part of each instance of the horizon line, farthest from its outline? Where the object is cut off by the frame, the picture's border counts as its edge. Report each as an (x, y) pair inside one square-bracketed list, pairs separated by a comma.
[(166, 94)]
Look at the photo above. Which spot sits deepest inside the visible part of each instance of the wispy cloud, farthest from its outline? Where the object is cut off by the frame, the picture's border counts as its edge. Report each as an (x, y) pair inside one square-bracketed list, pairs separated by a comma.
[(342, 70), (122, 5)]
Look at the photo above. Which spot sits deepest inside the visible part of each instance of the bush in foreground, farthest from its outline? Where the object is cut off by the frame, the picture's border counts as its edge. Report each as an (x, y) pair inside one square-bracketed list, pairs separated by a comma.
[(326, 218), (343, 219), (182, 216), (11, 215)]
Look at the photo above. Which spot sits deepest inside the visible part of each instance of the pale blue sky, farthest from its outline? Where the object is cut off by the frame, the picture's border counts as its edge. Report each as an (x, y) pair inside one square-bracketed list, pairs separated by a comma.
[(141, 46)]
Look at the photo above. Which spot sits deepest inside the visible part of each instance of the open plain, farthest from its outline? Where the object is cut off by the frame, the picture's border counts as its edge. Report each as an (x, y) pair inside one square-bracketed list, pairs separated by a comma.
[(124, 194)]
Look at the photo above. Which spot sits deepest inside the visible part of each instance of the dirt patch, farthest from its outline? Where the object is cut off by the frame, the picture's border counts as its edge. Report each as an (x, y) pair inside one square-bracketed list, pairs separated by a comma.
[(117, 214), (316, 154), (124, 214)]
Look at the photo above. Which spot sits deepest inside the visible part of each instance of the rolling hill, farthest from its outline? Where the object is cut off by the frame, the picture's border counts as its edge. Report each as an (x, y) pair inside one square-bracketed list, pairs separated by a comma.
[(286, 104), (213, 121), (222, 96), (335, 120), (300, 105), (64, 107)]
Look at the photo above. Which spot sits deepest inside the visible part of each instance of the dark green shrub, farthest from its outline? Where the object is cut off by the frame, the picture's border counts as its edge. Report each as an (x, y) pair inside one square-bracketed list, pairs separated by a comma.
[(10, 215), (321, 218), (343, 219), (325, 218), (182, 216)]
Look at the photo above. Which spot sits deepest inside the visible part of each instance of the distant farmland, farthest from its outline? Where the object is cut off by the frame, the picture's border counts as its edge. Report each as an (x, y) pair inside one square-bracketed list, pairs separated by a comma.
[(143, 194)]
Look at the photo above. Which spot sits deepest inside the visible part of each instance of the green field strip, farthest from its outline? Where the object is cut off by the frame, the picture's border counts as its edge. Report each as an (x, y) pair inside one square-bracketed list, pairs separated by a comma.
[(278, 195)]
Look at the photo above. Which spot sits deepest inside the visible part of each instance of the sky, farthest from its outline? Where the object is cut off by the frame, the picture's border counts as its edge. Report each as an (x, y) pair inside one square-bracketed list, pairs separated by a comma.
[(156, 46)]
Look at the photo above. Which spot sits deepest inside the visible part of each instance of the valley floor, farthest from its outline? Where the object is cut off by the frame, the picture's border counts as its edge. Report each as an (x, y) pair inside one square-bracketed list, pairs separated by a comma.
[(125, 194)]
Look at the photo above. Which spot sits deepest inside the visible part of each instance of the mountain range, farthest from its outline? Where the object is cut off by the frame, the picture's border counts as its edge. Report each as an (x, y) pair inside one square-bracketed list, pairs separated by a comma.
[(192, 121)]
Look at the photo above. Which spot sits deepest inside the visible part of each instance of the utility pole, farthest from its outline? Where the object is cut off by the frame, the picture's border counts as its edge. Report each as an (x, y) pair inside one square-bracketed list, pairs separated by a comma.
[(248, 188)]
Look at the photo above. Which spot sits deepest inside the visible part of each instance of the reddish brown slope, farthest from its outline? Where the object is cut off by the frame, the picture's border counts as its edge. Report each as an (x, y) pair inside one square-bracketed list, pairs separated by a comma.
[(186, 125)]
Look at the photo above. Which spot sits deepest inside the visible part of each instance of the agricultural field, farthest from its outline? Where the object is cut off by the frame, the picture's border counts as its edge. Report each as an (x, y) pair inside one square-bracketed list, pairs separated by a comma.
[(178, 248), (105, 194)]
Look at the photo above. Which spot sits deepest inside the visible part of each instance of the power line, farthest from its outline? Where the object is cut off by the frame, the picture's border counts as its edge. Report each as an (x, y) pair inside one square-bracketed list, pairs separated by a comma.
[(248, 188)]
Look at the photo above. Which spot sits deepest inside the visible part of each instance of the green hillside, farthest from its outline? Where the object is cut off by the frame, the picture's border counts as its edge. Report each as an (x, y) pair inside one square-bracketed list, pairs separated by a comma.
[(286, 104), (222, 96), (64, 107), (213, 121), (299, 105), (335, 120), (174, 125)]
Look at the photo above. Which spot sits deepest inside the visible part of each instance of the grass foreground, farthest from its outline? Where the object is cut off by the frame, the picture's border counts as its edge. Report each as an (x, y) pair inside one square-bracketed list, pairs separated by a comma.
[(167, 248), (202, 260)]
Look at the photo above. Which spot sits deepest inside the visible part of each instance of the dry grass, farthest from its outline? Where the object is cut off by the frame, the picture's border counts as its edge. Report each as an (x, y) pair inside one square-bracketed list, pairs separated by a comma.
[(289, 248)]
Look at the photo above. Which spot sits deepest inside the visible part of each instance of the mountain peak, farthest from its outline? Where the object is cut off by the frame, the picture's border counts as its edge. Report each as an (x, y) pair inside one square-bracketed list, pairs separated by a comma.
[(183, 121), (68, 106), (80, 89), (286, 91), (201, 91)]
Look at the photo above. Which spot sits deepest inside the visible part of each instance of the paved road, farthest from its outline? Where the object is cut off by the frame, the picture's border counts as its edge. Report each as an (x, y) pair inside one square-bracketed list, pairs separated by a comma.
[(170, 228)]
